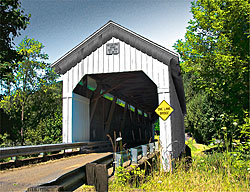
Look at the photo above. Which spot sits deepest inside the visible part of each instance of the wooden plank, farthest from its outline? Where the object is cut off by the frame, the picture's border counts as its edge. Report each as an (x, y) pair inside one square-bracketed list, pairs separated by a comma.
[(133, 135), (138, 60), (116, 58), (93, 103), (110, 59), (122, 56), (101, 174), (97, 175), (90, 64), (96, 61), (110, 116), (140, 124), (132, 124), (124, 98), (124, 117), (90, 170), (136, 123), (108, 91), (127, 57), (140, 133), (144, 124), (132, 58)]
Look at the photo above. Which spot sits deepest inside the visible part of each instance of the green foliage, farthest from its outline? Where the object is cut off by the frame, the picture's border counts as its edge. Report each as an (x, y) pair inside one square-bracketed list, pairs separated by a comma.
[(122, 176), (215, 54), (43, 120), (195, 147), (232, 135), (127, 179), (137, 175), (197, 120), (157, 127), (214, 172), (12, 20), (34, 105), (32, 72), (241, 144), (87, 188), (44, 125), (5, 141)]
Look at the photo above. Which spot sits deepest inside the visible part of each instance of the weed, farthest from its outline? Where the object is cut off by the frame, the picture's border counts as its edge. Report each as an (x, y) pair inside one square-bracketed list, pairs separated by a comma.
[(213, 172)]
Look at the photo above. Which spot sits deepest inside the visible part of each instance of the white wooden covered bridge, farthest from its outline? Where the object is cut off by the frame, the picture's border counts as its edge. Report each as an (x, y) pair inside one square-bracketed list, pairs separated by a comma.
[(113, 81)]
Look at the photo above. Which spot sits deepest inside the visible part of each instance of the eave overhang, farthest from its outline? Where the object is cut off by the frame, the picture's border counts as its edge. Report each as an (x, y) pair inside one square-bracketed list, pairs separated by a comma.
[(104, 34), (112, 29)]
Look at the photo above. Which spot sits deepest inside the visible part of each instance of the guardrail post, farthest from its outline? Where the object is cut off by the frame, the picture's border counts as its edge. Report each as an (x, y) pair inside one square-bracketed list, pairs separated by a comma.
[(13, 159), (101, 183), (144, 150), (16, 161), (63, 152), (97, 175), (127, 155), (151, 147), (90, 170), (43, 155), (118, 159), (134, 154)]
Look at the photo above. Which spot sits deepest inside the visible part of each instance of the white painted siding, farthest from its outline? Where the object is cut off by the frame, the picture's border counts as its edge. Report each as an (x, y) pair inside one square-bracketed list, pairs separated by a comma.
[(165, 133), (80, 126), (129, 59)]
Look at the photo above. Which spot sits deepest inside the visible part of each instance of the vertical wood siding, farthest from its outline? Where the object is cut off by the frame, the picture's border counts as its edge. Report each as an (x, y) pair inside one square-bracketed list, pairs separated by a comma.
[(129, 59)]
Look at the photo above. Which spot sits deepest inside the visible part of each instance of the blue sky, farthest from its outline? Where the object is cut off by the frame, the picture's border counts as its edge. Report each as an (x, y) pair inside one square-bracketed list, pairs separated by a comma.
[(62, 24)]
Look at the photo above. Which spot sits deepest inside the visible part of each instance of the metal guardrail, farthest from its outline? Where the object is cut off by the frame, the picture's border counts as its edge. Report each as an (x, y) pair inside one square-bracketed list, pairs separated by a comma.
[(36, 149), (75, 178)]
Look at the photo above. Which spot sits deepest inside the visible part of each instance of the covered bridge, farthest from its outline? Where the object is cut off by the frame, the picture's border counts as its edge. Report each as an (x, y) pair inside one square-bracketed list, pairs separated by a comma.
[(113, 81)]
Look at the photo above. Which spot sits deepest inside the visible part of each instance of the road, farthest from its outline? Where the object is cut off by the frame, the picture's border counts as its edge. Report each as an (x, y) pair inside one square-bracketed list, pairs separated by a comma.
[(19, 179)]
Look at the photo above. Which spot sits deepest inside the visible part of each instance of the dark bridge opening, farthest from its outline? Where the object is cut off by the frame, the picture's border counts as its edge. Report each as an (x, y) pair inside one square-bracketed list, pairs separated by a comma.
[(123, 103)]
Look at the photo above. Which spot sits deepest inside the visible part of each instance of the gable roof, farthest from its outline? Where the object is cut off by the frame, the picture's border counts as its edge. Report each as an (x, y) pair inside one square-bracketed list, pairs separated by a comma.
[(101, 36), (112, 29)]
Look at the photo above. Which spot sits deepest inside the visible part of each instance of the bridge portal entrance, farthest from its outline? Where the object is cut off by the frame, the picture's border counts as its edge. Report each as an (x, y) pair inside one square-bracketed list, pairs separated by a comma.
[(117, 102), (112, 83)]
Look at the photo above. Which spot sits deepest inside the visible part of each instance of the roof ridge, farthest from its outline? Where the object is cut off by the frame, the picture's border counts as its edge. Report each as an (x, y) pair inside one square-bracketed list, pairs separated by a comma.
[(124, 36)]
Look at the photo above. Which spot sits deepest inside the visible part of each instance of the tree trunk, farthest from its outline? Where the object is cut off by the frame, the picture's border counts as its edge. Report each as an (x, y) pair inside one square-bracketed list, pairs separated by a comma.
[(22, 131)]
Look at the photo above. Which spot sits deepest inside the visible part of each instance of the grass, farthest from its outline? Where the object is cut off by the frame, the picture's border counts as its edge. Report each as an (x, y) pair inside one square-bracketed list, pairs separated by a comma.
[(214, 172), (196, 148)]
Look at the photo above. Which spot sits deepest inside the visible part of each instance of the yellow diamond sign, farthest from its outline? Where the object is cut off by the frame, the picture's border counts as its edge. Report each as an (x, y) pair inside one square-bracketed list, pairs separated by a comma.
[(164, 110)]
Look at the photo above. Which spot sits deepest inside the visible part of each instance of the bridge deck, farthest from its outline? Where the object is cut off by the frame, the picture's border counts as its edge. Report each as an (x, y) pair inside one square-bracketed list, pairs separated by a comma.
[(19, 179)]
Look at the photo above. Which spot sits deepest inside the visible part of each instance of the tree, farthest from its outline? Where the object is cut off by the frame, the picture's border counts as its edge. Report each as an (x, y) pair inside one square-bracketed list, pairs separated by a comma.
[(44, 124), (12, 20), (43, 119), (215, 55), (31, 75)]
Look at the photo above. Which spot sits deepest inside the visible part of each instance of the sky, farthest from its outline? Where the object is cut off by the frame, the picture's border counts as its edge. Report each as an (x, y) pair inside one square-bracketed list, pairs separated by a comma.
[(60, 25)]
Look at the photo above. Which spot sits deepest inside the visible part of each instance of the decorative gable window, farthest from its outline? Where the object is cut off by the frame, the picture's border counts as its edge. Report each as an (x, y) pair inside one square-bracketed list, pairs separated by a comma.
[(113, 48)]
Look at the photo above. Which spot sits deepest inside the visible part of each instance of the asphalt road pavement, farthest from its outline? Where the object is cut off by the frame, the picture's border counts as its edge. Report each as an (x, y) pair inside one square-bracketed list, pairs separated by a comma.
[(19, 179)]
